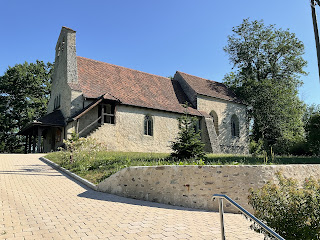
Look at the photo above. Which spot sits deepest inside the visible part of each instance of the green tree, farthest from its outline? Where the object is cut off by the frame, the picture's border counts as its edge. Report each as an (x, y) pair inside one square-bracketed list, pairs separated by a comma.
[(313, 133), (24, 94), (292, 211), (188, 143), (309, 111), (268, 63)]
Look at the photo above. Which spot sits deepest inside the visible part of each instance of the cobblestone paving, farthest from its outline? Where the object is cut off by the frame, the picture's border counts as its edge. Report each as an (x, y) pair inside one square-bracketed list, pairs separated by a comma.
[(38, 202)]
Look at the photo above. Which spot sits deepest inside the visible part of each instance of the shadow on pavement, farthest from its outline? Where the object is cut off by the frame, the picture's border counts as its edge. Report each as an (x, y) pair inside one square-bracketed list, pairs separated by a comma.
[(91, 194), (101, 196)]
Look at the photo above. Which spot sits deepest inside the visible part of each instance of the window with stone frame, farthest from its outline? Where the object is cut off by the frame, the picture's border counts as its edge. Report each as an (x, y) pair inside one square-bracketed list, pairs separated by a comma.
[(235, 129), (148, 125)]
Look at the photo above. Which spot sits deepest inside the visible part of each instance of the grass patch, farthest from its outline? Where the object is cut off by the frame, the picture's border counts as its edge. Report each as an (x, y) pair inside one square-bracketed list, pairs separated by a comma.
[(230, 159), (103, 164), (97, 166)]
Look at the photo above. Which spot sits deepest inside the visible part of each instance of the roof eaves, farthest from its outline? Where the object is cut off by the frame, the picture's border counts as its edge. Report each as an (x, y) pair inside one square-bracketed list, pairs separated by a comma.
[(228, 100), (165, 110)]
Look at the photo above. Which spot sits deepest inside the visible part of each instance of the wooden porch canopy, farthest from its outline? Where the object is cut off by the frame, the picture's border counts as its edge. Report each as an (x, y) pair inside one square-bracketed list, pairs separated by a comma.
[(34, 130)]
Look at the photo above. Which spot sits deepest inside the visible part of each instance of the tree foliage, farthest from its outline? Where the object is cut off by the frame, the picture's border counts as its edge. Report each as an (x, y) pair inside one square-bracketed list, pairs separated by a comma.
[(309, 111), (313, 133), (24, 94), (292, 211), (188, 143), (268, 64)]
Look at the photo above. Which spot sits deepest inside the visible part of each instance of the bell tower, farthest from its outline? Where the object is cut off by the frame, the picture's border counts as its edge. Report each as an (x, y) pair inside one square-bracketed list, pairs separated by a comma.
[(65, 72), (66, 55)]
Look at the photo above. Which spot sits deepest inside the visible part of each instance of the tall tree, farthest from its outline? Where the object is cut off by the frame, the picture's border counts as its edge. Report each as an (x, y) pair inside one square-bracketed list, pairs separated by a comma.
[(24, 94), (268, 64), (312, 126)]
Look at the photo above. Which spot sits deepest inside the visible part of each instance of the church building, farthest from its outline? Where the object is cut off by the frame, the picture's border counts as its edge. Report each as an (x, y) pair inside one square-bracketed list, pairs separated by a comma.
[(130, 110)]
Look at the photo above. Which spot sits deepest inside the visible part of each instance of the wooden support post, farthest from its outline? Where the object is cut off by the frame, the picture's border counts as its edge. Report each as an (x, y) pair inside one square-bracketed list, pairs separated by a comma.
[(39, 140), (316, 32), (26, 145), (29, 143), (102, 114), (77, 126), (34, 143)]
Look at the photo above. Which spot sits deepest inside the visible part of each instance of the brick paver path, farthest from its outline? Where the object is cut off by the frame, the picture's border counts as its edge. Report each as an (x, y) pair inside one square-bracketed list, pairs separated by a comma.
[(38, 202)]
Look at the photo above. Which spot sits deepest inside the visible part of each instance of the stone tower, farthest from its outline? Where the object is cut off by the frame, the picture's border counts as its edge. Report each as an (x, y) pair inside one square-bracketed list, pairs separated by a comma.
[(65, 72)]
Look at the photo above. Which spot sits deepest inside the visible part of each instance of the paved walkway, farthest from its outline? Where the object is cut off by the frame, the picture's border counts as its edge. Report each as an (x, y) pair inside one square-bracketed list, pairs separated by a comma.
[(38, 202)]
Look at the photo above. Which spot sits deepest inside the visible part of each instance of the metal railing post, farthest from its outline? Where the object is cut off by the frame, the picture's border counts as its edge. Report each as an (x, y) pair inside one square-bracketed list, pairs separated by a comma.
[(246, 213), (223, 237)]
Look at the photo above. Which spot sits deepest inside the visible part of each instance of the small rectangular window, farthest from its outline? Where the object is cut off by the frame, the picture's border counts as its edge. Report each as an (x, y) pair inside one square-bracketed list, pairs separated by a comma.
[(108, 113)]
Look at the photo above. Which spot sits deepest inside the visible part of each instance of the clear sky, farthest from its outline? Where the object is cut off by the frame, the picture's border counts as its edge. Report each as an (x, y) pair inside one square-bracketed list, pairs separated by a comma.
[(158, 37)]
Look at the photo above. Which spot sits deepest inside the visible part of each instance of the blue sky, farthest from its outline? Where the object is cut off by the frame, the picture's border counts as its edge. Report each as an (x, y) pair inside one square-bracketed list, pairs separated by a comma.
[(158, 37)]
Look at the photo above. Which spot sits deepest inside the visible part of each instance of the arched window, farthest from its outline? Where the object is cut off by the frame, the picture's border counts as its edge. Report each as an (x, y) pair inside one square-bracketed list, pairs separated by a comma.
[(57, 102), (148, 125), (214, 116), (235, 131)]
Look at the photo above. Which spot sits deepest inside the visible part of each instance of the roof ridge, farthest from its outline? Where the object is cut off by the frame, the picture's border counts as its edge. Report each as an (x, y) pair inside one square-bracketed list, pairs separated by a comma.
[(122, 67), (200, 77)]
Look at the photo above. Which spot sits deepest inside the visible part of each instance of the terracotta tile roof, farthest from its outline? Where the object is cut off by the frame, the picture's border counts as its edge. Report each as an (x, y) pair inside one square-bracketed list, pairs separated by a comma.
[(130, 87), (209, 88)]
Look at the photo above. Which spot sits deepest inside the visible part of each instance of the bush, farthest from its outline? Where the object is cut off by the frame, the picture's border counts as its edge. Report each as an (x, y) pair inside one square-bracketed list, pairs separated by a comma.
[(292, 211), (256, 148), (188, 144), (300, 148), (78, 149)]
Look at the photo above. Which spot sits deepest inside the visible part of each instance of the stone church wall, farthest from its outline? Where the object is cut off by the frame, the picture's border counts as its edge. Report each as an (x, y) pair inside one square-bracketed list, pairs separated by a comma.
[(225, 110), (127, 134)]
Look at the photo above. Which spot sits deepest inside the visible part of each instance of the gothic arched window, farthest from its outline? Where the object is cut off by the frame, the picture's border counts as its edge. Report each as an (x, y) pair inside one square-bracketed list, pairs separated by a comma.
[(148, 125), (235, 131), (214, 116)]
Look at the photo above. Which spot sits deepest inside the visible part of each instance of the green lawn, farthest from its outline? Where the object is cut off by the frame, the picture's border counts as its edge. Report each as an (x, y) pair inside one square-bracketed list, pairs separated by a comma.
[(96, 166)]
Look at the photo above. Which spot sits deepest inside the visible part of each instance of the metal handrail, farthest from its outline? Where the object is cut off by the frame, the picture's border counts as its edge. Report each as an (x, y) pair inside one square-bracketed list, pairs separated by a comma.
[(245, 212)]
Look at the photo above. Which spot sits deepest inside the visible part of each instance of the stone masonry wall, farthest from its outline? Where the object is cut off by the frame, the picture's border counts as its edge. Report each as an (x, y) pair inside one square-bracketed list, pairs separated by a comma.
[(127, 134), (225, 110), (193, 186), (65, 70), (189, 91)]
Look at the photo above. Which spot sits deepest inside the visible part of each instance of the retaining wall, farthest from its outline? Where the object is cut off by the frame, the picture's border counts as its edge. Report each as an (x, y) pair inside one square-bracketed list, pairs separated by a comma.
[(193, 186)]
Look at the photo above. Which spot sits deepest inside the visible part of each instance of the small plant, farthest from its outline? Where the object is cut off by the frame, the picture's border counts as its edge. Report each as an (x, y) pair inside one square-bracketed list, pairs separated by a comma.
[(188, 143), (255, 148), (265, 157), (292, 211)]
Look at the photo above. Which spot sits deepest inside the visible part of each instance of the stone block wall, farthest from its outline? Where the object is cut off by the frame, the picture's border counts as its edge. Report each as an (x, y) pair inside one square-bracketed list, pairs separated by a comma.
[(193, 186), (188, 90), (127, 134), (225, 110)]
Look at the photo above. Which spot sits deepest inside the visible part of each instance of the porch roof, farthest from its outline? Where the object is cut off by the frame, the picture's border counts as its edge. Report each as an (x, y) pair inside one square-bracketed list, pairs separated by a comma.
[(54, 119)]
